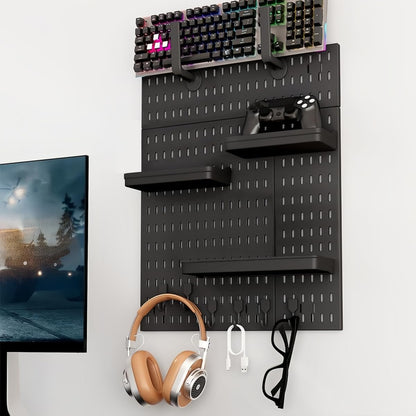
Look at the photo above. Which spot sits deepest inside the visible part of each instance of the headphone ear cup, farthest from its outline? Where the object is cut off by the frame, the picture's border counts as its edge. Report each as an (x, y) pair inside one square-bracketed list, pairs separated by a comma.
[(174, 391), (147, 376)]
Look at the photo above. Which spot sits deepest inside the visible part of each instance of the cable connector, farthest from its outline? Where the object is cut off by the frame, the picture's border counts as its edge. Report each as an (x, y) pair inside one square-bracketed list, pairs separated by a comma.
[(244, 364), (244, 358)]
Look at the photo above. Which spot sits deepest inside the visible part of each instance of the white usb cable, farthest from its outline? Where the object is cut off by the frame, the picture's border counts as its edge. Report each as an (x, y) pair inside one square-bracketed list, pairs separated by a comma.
[(244, 358)]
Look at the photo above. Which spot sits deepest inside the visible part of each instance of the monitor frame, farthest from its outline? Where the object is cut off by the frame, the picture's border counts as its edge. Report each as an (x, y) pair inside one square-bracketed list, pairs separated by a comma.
[(60, 346)]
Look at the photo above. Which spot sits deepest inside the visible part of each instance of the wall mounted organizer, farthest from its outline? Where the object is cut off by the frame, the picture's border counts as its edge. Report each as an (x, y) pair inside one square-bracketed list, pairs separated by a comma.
[(241, 225)]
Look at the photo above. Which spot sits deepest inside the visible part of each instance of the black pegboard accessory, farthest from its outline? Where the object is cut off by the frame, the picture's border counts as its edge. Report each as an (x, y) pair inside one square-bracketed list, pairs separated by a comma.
[(278, 67), (186, 178), (262, 229)]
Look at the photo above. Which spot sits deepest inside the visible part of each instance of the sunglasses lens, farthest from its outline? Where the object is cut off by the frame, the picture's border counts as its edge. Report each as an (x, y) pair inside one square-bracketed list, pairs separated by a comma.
[(279, 341), (273, 381)]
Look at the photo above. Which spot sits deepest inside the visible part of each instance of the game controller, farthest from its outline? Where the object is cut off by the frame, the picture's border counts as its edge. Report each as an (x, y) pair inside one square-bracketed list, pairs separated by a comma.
[(282, 114)]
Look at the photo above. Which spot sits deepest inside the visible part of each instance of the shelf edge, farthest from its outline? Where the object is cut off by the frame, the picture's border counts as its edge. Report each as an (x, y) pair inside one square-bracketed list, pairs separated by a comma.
[(266, 265)]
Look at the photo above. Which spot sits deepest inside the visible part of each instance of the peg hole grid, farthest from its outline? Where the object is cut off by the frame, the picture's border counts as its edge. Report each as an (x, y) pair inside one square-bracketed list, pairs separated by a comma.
[(277, 206), (226, 93)]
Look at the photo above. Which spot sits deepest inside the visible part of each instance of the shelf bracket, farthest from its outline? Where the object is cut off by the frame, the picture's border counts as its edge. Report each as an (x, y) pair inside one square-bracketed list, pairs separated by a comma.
[(278, 67), (193, 80)]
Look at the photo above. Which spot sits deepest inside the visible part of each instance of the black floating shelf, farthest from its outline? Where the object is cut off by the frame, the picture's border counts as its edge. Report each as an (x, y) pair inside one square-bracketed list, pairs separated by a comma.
[(282, 143), (185, 178), (265, 265)]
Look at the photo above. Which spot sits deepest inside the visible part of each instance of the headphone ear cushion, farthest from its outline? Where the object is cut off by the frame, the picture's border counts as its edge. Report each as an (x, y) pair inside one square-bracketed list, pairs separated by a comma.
[(147, 376), (172, 375)]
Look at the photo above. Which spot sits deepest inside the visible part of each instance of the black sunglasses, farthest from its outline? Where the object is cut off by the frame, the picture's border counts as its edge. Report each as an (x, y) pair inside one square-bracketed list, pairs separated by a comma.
[(278, 375)]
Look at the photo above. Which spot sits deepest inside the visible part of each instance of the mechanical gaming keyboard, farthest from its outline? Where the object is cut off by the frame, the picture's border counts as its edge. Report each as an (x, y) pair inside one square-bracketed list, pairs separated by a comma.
[(228, 33)]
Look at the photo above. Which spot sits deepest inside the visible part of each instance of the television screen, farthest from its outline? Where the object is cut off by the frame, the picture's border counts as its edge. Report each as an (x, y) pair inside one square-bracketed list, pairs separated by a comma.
[(43, 255)]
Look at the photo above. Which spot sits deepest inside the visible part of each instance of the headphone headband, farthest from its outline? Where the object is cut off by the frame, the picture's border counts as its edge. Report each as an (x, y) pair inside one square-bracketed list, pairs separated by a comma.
[(152, 302)]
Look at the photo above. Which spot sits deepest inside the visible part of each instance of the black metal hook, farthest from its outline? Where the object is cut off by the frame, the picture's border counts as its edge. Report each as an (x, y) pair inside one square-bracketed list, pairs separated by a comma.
[(238, 307), (212, 308), (193, 80), (278, 67), (292, 305), (187, 291), (265, 308)]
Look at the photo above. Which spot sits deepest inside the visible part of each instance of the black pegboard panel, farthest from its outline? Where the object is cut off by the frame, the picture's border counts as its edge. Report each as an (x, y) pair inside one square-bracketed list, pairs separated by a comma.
[(226, 91), (278, 206)]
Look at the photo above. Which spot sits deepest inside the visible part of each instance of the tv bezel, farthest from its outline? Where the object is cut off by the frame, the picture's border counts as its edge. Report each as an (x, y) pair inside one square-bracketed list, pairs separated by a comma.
[(59, 346)]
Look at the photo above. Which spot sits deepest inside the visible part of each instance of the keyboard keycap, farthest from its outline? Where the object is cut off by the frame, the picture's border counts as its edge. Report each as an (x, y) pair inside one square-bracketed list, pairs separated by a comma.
[(226, 7), (147, 66), (216, 55), (278, 46), (308, 42), (248, 50), (178, 15), (234, 5), (238, 51), (140, 57), (167, 62), (138, 67), (317, 38), (243, 41), (294, 43), (157, 64), (248, 22), (318, 16), (247, 13), (241, 33), (199, 57), (279, 18)]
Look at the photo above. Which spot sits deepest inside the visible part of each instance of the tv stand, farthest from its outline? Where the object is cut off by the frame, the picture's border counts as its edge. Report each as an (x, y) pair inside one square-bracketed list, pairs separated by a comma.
[(3, 383)]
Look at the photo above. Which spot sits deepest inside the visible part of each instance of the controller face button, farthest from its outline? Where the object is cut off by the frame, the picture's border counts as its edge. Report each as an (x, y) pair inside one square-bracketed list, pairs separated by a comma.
[(304, 105), (299, 102), (307, 97), (312, 100)]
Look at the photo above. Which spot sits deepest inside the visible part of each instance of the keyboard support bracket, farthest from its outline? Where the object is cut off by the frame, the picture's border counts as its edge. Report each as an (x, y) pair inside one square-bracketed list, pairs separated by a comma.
[(278, 67), (193, 80)]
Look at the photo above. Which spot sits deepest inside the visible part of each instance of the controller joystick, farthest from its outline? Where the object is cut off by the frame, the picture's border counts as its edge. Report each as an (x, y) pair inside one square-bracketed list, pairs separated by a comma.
[(282, 114)]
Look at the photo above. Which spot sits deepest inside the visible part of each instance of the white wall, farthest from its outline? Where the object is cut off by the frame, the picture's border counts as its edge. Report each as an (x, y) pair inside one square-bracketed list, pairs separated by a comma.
[(67, 87)]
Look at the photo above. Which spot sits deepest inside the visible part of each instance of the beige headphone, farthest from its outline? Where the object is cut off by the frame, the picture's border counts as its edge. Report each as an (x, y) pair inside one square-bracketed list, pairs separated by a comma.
[(186, 377)]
